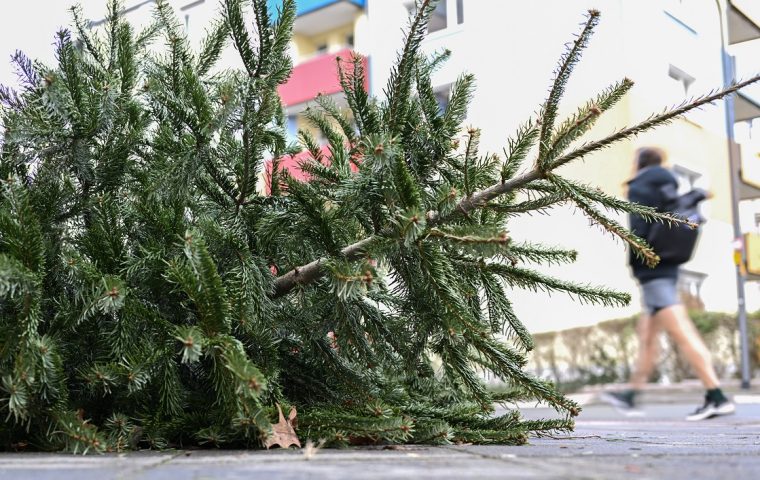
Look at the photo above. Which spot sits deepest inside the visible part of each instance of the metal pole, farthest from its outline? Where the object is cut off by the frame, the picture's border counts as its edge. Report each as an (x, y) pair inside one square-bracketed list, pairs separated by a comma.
[(734, 165)]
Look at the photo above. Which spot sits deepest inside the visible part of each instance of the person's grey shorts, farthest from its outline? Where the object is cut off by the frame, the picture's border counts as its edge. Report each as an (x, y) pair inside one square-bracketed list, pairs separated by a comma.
[(659, 293)]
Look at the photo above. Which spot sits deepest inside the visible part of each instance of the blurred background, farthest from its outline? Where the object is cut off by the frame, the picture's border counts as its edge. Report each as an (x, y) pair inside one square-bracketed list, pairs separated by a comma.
[(673, 49)]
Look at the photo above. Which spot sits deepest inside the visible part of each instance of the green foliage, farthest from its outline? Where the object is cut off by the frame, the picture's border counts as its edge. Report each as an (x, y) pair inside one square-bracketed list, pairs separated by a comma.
[(606, 352), (150, 296)]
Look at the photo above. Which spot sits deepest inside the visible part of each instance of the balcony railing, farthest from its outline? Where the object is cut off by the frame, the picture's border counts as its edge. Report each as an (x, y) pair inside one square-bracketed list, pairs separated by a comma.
[(315, 76), (292, 164)]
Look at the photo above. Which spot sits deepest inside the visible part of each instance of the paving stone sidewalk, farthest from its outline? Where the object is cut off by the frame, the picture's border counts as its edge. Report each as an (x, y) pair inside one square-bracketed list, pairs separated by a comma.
[(604, 446)]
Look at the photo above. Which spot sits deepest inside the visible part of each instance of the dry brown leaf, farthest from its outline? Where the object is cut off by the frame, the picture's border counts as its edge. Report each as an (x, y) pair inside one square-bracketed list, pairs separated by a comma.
[(283, 433)]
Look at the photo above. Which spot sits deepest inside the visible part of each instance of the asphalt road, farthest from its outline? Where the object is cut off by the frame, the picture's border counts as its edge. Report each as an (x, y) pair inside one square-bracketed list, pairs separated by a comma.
[(604, 446)]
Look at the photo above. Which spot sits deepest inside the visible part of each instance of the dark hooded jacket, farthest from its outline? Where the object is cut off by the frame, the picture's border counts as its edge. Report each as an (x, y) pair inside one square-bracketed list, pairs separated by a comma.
[(655, 187)]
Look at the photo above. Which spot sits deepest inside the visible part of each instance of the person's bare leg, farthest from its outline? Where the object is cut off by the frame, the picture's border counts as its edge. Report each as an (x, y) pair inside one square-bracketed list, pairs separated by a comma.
[(675, 320), (647, 330)]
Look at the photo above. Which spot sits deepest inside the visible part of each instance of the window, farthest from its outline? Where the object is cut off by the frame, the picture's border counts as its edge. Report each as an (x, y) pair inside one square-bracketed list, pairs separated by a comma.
[(743, 131), (292, 128), (682, 14), (321, 48), (690, 289), (687, 178), (442, 96), (753, 129), (186, 9), (438, 18), (682, 85), (684, 79), (350, 40), (682, 46), (447, 13)]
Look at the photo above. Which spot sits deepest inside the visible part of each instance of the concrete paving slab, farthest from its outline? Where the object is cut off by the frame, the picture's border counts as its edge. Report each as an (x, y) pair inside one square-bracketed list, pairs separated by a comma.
[(603, 446)]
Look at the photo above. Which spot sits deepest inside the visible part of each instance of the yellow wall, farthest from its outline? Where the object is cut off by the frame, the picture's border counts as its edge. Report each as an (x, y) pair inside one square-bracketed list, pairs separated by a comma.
[(303, 124), (306, 47), (611, 168), (687, 144)]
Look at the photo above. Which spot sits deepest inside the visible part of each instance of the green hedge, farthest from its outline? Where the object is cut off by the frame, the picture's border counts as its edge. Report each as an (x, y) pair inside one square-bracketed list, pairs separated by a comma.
[(606, 352)]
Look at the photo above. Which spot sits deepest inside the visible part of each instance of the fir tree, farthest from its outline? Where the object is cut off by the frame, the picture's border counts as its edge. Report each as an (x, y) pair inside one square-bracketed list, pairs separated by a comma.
[(150, 297)]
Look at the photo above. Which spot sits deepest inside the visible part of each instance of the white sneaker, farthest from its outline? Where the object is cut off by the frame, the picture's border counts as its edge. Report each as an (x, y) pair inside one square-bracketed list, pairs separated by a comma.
[(712, 409), (623, 403)]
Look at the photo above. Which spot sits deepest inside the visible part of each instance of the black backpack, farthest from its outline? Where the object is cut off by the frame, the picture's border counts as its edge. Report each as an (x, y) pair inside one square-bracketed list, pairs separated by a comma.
[(675, 244)]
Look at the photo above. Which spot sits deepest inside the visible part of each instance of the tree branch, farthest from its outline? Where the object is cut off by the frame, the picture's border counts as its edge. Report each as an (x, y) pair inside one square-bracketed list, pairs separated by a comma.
[(650, 123), (312, 271)]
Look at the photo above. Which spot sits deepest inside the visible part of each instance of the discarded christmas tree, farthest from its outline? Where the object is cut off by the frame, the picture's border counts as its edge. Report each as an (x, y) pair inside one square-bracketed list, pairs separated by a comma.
[(150, 297)]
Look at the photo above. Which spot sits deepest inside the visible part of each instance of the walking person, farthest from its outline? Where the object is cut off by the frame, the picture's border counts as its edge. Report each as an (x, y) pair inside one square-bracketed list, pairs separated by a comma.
[(655, 186)]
